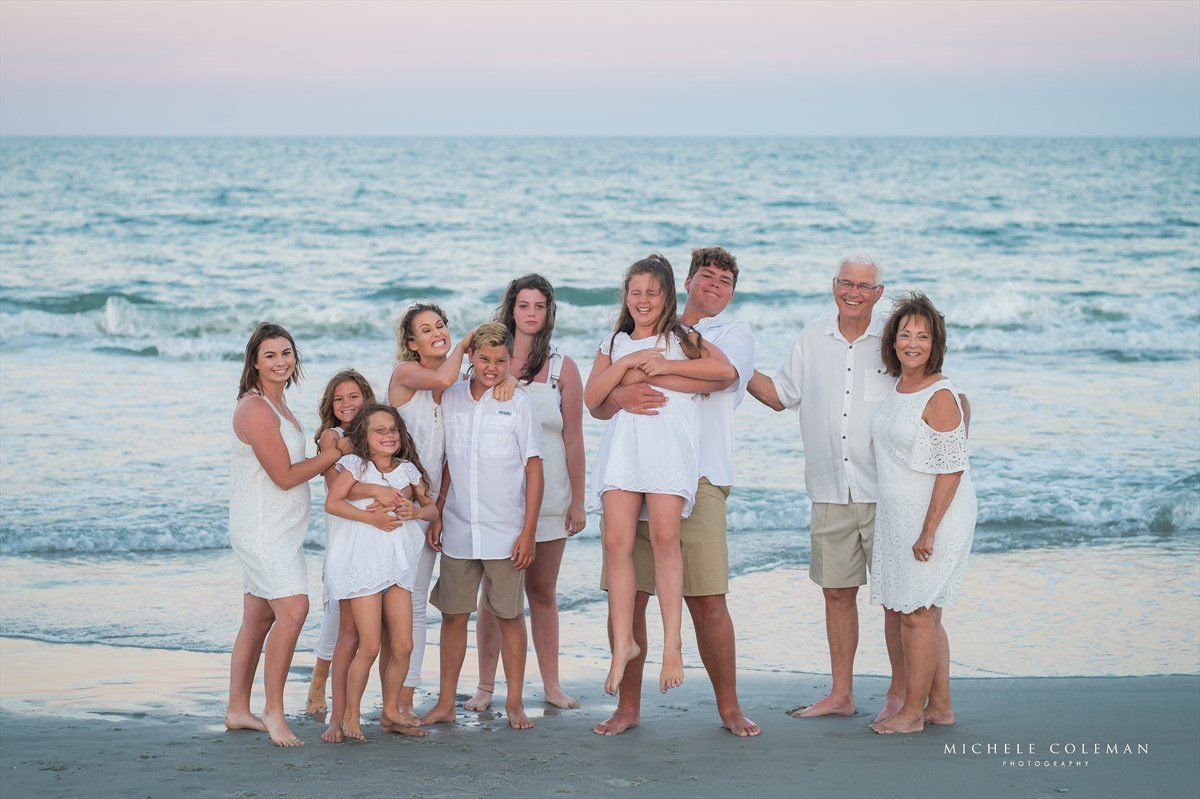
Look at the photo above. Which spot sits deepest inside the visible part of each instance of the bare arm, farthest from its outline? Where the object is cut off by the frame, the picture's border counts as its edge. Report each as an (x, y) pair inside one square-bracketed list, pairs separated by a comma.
[(942, 415), (434, 534), (604, 377), (712, 367), (524, 550), (762, 388), (386, 496), (337, 505), (421, 506), (410, 376), (571, 386), (256, 424)]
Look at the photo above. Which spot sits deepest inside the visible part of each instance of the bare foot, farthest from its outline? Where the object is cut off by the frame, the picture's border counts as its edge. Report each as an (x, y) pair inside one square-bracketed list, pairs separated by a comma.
[(829, 706), (352, 727), (244, 720), (281, 734), (402, 724), (898, 723), (671, 675), (315, 704), (937, 715), (620, 658), (482, 699), (440, 714), (620, 721), (517, 718), (736, 722), (333, 734), (557, 698), (891, 706)]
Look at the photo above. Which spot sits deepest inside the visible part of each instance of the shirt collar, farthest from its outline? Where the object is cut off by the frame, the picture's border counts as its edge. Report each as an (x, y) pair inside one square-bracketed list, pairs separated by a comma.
[(875, 328), (722, 318)]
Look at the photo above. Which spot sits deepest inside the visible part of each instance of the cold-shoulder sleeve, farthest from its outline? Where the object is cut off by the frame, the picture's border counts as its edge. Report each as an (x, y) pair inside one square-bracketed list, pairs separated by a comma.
[(935, 452)]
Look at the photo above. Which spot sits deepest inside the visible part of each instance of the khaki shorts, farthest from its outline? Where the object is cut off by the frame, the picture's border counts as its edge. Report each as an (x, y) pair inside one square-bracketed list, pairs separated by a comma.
[(457, 589), (702, 540), (842, 535)]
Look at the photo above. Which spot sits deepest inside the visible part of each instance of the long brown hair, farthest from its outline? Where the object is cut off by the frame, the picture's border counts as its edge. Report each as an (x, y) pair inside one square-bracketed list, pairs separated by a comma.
[(250, 379), (325, 406), (404, 331), (541, 342), (659, 268), (408, 448)]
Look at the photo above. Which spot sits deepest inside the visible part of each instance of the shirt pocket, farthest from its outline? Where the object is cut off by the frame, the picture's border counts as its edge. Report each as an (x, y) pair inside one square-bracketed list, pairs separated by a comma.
[(457, 429), (498, 438), (878, 384)]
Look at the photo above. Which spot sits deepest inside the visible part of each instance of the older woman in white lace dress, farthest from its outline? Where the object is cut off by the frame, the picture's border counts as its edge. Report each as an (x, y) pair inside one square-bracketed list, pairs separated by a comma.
[(924, 516)]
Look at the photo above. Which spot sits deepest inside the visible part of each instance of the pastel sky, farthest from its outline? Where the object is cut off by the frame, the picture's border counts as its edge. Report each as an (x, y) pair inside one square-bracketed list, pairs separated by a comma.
[(541, 68)]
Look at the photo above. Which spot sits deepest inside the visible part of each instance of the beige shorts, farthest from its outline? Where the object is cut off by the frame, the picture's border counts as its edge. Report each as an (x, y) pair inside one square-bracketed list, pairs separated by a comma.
[(702, 538), (842, 535), (457, 589)]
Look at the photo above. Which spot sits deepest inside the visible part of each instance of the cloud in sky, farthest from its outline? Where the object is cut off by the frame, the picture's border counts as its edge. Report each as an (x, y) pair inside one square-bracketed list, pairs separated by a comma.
[(600, 68)]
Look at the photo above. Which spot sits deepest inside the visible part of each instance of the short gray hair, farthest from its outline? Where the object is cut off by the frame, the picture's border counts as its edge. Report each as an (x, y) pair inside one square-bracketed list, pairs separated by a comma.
[(861, 259)]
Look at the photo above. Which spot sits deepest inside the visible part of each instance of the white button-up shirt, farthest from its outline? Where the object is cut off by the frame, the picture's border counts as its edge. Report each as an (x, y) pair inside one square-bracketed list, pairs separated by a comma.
[(735, 339), (837, 385), (487, 445)]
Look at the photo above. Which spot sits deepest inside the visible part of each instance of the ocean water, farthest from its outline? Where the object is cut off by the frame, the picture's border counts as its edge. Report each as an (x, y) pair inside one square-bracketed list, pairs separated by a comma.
[(132, 270)]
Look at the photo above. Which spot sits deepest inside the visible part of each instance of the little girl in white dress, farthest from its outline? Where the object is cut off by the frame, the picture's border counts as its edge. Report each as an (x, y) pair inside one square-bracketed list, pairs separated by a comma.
[(647, 466), (371, 561)]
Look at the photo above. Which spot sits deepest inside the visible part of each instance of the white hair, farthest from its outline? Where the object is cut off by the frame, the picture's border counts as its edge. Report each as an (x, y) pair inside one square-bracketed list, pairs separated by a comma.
[(861, 259)]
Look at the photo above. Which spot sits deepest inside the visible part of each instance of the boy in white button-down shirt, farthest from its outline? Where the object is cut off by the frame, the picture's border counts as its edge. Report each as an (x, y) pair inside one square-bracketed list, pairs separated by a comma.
[(494, 463)]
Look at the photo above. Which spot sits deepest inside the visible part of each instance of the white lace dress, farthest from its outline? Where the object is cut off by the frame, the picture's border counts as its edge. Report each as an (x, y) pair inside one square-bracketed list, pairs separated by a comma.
[(267, 524), (908, 456), (360, 559), (650, 454)]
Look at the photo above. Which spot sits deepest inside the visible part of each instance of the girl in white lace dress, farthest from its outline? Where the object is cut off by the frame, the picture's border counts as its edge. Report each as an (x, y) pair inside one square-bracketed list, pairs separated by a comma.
[(268, 520), (647, 466), (371, 561), (925, 511)]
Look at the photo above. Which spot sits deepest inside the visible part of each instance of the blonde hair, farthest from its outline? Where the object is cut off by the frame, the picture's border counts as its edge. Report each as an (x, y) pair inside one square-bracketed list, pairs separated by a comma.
[(491, 334), (405, 333)]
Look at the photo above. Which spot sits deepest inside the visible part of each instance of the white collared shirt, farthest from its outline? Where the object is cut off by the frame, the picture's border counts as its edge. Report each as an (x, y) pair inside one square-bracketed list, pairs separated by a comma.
[(736, 341), (487, 445), (837, 385)]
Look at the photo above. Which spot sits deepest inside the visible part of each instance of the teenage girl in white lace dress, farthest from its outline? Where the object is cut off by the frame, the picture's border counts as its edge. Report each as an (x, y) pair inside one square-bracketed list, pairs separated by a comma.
[(371, 562), (646, 466), (268, 521), (925, 512), (552, 382)]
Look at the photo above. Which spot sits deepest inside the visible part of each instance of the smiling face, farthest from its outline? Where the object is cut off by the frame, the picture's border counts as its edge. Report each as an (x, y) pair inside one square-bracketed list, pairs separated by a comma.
[(428, 335), (709, 291), (644, 299), (275, 361), (383, 436), (347, 401), (851, 293), (529, 311), (490, 364), (914, 343)]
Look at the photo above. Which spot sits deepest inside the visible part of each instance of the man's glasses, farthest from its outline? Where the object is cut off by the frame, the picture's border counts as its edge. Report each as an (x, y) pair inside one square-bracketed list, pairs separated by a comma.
[(850, 284)]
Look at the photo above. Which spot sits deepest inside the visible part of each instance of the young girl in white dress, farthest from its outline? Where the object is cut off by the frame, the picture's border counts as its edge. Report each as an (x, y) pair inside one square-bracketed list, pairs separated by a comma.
[(371, 561), (647, 466)]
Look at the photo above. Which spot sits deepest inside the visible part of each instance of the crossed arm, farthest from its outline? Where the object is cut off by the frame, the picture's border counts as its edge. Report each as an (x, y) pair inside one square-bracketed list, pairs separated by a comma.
[(633, 378)]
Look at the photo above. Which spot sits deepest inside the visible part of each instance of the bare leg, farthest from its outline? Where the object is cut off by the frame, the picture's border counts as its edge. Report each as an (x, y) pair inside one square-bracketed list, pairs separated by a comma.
[(257, 618), (621, 509), (315, 704), (665, 515), (939, 710), (397, 614), (454, 651), (718, 652), (919, 631), (420, 601), (487, 639), (343, 654), (895, 649), (841, 626), (290, 612), (629, 704), (368, 618), (541, 588), (513, 646)]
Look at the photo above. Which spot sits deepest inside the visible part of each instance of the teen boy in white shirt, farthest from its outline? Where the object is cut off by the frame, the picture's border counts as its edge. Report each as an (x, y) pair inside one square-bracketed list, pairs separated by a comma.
[(494, 463)]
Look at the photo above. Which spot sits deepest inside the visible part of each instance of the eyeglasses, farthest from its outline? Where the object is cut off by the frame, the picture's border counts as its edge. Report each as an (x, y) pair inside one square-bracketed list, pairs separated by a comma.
[(849, 284)]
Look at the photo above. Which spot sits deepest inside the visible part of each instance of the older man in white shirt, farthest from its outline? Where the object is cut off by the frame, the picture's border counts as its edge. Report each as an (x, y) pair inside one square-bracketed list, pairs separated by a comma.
[(835, 376)]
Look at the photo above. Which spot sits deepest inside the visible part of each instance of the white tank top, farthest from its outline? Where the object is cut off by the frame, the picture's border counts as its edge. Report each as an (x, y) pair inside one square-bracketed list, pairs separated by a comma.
[(423, 418)]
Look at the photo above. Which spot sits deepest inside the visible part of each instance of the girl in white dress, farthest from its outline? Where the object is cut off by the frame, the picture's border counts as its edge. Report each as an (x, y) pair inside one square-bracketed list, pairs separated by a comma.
[(426, 365), (552, 382), (268, 520), (925, 512), (646, 466), (371, 561)]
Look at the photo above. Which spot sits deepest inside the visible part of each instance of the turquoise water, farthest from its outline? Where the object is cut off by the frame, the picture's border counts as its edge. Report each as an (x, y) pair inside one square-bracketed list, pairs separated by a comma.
[(132, 270)]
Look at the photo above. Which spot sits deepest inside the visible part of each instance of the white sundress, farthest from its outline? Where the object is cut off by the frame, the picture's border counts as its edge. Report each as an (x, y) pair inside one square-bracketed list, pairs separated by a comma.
[(361, 559), (268, 524), (650, 454), (909, 455)]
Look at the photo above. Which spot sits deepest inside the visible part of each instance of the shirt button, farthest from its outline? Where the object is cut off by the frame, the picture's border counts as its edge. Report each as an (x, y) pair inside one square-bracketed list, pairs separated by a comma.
[(843, 414), (845, 459), (847, 392), (843, 438)]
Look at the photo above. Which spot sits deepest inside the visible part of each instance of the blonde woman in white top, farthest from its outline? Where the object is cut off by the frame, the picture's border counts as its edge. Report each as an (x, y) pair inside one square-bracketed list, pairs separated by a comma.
[(552, 382)]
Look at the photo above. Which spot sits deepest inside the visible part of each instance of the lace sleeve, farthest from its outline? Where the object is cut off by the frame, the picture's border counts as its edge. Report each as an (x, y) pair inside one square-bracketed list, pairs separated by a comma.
[(411, 473), (606, 344), (352, 464), (934, 452)]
